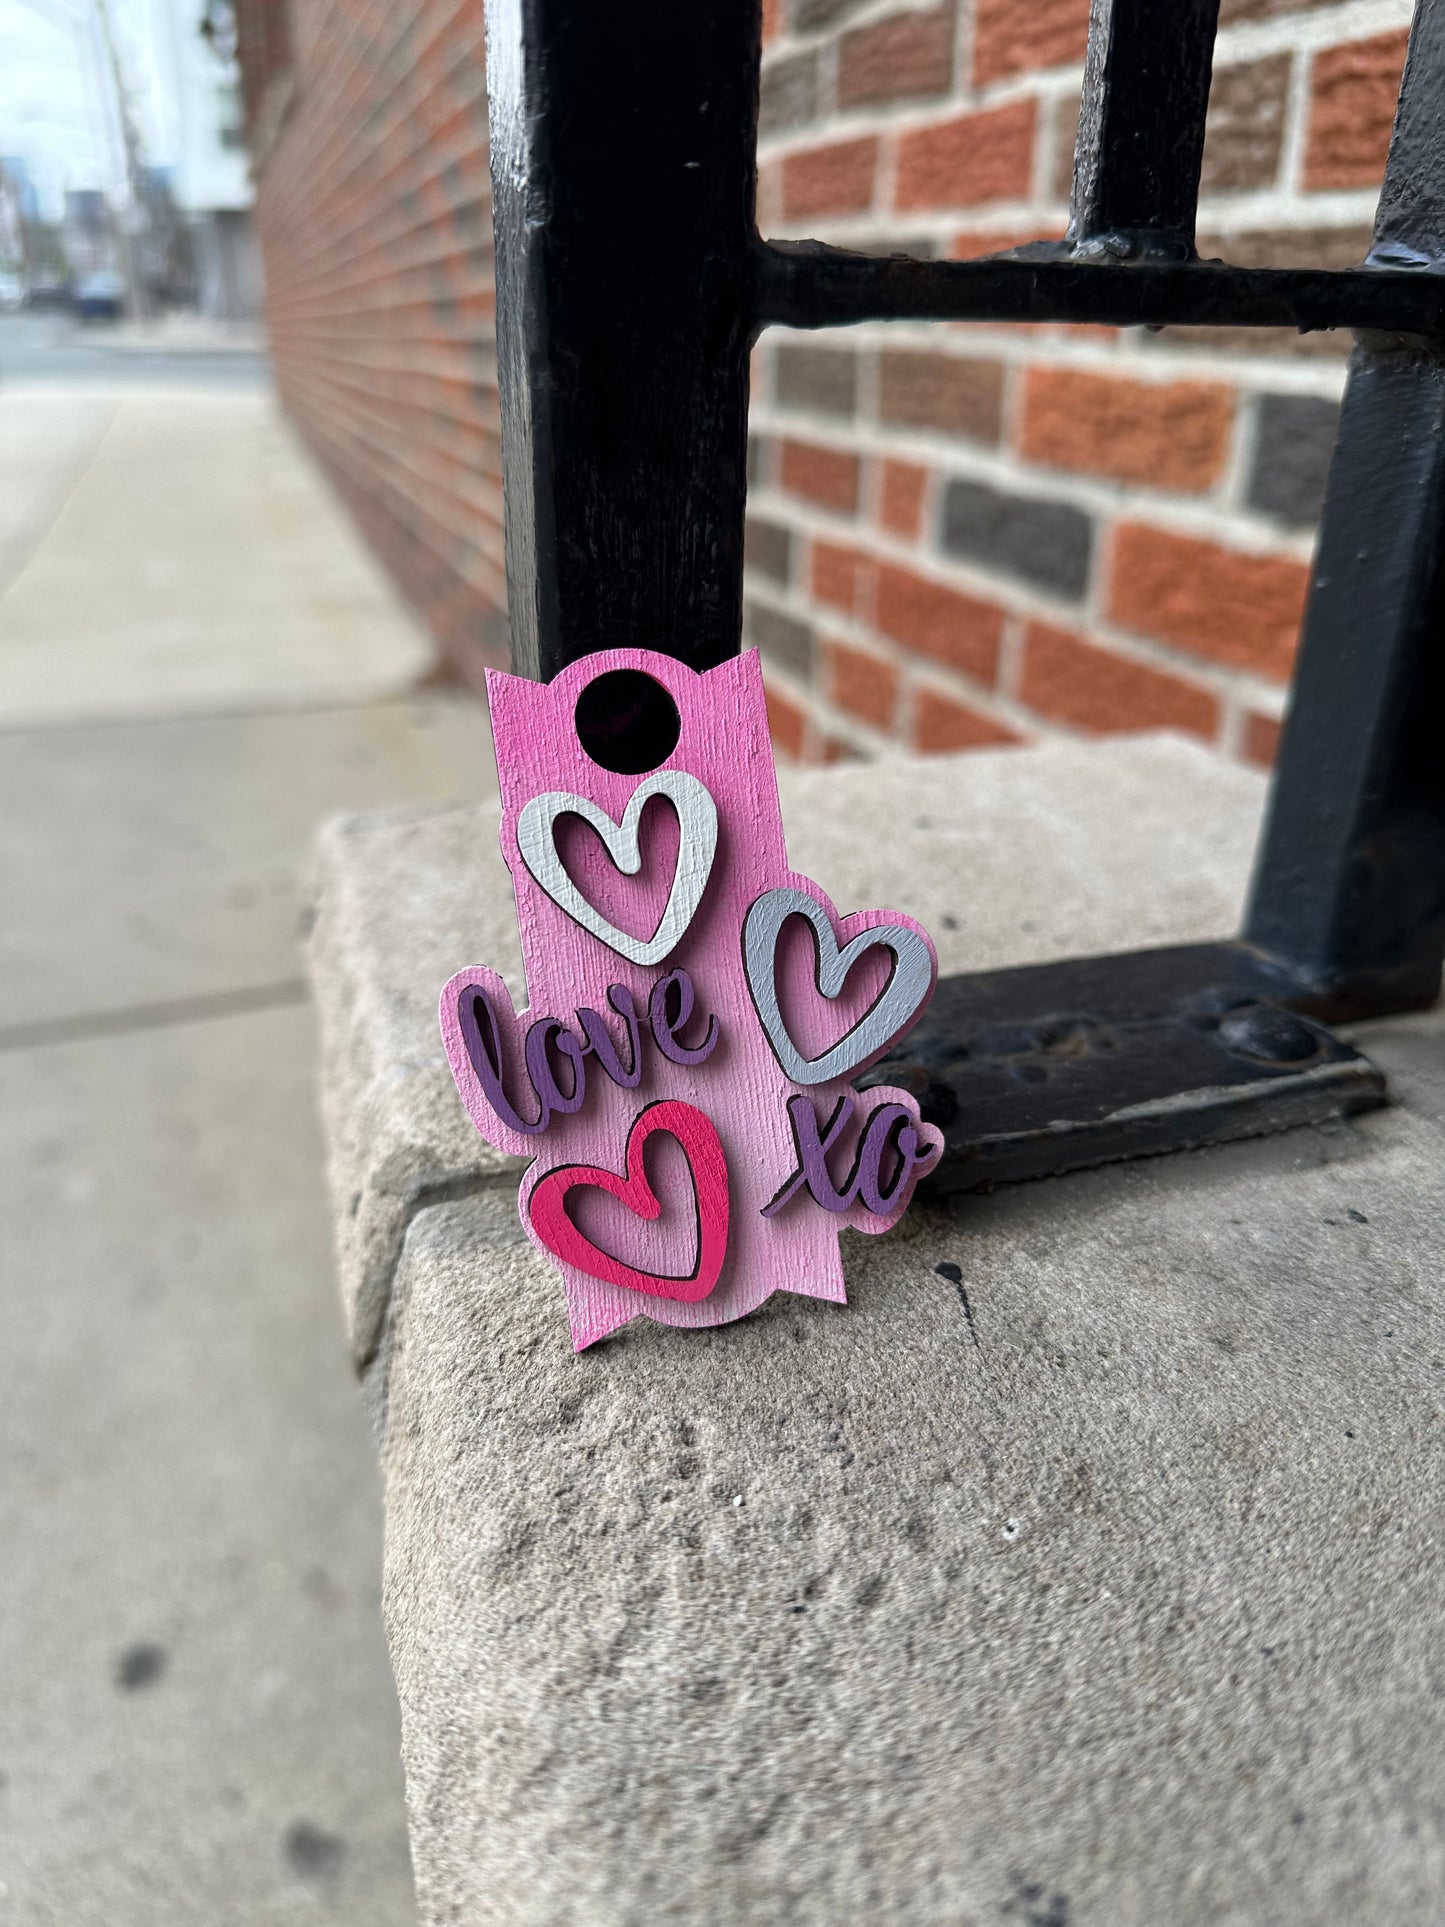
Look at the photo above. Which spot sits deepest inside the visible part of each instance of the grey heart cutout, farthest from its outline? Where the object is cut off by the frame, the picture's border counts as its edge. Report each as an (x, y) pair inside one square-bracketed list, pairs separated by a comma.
[(900, 1000), (697, 846)]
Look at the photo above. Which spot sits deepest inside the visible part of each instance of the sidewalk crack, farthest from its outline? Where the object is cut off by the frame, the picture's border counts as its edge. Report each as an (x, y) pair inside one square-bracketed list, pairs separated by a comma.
[(134, 1017)]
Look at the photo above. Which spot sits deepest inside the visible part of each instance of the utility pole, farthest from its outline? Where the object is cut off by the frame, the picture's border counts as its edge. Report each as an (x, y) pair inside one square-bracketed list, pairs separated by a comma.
[(138, 298)]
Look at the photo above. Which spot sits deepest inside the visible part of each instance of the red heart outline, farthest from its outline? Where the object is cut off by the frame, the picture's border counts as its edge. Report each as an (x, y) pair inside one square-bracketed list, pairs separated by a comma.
[(695, 1132)]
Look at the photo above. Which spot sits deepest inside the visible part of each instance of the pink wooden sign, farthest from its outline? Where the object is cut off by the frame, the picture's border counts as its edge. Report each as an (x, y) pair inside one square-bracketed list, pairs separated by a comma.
[(681, 1075)]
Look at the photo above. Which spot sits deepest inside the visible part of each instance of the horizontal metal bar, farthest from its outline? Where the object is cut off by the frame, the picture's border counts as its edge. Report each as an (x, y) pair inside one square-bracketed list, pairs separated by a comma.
[(805, 284), (1052, 1067)]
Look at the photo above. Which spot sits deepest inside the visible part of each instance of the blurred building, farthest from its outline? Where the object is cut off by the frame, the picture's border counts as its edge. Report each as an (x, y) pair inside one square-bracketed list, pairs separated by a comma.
[(32, 257), (957, 535), (13, 212), (210, 182)]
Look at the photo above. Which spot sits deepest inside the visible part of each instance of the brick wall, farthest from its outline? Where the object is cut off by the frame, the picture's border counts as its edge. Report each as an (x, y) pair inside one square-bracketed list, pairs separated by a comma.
[(964, 535), (369, 134), (958, 535)]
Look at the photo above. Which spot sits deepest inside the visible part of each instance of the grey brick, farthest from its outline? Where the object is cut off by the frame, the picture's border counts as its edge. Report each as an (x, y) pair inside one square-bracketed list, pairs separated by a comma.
[(760, 451), (1292, 457), (1244, 135), (1283, 247), (807, 14), (788, 642), (788, 96), (1066, 133), (1049, 544), (918, 247), (824, 379), (920, 388), (768, 548)]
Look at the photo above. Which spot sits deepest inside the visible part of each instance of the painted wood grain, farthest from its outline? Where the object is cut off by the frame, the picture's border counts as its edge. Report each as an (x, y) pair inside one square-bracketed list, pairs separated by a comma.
[(609, 1038)]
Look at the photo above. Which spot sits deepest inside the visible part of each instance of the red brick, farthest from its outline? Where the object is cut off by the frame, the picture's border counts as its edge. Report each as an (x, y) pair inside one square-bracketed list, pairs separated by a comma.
[(1171, 435), (907, 56), (827, 476), (1261, 739), (1242, 610), (843, 578), (787, 724), (1072, 681), (941, 723), (1352, 108), (900, 506), (968, 161), (772, 20), (1026, 36), (830, 180), (942, 624), (862, 685)]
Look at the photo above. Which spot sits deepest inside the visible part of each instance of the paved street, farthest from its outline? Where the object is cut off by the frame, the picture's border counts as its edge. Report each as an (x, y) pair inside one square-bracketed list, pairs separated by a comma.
[(57, 347), (197, 661)]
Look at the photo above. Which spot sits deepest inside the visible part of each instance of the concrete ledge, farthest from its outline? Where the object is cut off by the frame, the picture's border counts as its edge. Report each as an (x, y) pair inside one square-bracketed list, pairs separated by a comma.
[(1006, 857), (1122, 1581), (1105, 1588), (397, 897)]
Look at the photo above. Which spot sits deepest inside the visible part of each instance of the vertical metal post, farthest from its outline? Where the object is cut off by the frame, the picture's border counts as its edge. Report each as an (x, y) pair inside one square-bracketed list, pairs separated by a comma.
[(622, 143), (1349, 888), (1141, 125)]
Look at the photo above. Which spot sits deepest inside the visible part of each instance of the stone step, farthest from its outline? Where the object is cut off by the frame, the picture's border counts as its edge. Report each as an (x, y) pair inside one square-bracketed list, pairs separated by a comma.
[(1084, 1568)]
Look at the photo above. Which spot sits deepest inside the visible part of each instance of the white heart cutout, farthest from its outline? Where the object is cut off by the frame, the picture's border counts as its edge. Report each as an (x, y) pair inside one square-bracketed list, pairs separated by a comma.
[(887, 1017), (697, 846)]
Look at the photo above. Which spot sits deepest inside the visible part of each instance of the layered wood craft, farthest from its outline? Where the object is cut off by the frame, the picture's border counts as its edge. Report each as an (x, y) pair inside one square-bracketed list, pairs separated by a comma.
[(696, 1011)]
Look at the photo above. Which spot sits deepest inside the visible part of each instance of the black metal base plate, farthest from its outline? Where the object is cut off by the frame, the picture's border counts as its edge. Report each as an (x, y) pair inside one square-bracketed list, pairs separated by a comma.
[(1052, 1067)]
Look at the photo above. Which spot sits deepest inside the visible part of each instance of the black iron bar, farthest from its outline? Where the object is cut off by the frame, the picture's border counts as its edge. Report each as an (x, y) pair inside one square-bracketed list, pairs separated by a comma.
[(623, 335), (1141, 127), (1045, 1068), (1349, 890), (1410, 216), (623, 352), (806, 285)]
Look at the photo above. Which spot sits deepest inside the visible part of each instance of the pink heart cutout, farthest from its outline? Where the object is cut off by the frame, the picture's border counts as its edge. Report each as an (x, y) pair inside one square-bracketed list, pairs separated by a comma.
[(704, 1153)]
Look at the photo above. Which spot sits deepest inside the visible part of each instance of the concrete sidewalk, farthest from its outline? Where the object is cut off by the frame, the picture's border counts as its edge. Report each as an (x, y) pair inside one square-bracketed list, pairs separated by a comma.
[(198, 1723), (164, 550)]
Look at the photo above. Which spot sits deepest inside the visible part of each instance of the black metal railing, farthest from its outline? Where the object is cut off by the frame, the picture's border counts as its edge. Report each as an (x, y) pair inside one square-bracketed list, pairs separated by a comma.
[(632, 284)]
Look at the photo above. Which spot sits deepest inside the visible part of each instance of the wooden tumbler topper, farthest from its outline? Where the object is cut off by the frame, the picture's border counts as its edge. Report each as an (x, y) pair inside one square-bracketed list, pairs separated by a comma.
[(696, 1010)]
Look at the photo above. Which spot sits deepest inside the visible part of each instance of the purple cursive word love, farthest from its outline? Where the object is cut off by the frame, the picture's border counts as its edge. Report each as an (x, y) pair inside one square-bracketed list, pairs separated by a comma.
[(670, 1006)]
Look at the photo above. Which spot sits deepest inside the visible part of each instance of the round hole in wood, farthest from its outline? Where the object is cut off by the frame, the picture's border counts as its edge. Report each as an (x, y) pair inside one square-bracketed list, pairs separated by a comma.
[(627, 722)]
